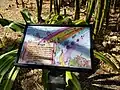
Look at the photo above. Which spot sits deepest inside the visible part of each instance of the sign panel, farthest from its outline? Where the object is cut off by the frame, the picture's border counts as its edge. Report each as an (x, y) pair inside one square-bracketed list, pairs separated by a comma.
[(67, 47)]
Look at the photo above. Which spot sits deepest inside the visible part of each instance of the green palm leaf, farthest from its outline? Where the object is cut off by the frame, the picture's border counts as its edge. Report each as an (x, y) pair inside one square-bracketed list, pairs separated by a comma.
[(5, 22), (17, 27), (11, 77), (72, 77), (6, 62), (27, 16), (101, 57)]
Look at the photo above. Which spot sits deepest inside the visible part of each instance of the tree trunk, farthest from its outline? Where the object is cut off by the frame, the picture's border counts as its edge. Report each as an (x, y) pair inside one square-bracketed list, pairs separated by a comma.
[(90, 11), (50, 6), (39, 10), (97, 18), (41, 2), (56, 7), (103, 14), (88, 5), (59, 3), (17, 3), (107, 13), (64, 11), (77, 9), (23, 5), (114, 6)]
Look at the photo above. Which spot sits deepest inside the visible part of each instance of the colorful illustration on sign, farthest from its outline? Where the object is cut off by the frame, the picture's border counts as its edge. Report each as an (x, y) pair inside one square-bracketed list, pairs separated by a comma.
[(57, 46)]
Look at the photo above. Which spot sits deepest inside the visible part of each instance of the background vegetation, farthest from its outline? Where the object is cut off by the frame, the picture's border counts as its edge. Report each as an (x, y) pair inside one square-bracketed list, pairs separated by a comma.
[(104, 15)]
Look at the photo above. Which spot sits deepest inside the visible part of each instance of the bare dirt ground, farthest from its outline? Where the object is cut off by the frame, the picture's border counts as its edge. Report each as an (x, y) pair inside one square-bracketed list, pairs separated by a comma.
[(100, 79), (10, 11)]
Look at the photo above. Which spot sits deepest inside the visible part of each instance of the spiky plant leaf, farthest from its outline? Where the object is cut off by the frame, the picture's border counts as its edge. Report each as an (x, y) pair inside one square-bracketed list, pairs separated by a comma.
[(5, 68), (11, 77), (64, 21), (8, 53), (6, 62), (106, 60), (80, 22), (27, 16), (5, 22), (17, 27), (72, 77)]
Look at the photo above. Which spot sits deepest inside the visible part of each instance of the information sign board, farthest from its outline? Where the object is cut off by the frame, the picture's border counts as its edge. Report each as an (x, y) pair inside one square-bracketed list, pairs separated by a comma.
[(55, 46)]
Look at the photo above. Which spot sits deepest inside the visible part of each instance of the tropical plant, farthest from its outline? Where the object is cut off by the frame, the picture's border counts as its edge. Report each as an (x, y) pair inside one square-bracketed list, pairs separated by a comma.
[(71, 77), (8, 71), (102, 57)]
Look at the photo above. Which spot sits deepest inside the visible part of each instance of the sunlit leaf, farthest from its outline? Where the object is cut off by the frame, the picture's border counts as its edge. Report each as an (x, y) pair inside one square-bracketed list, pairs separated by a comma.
[(18, 27), (27, 16), (80, 22), (11, 77), (68, 76), (106, 60), (71, 76), (5, 70), (10, 52), (65, 21)]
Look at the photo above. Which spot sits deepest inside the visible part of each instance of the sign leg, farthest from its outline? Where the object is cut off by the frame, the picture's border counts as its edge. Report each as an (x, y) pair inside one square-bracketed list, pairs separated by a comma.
[(56, 80)]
